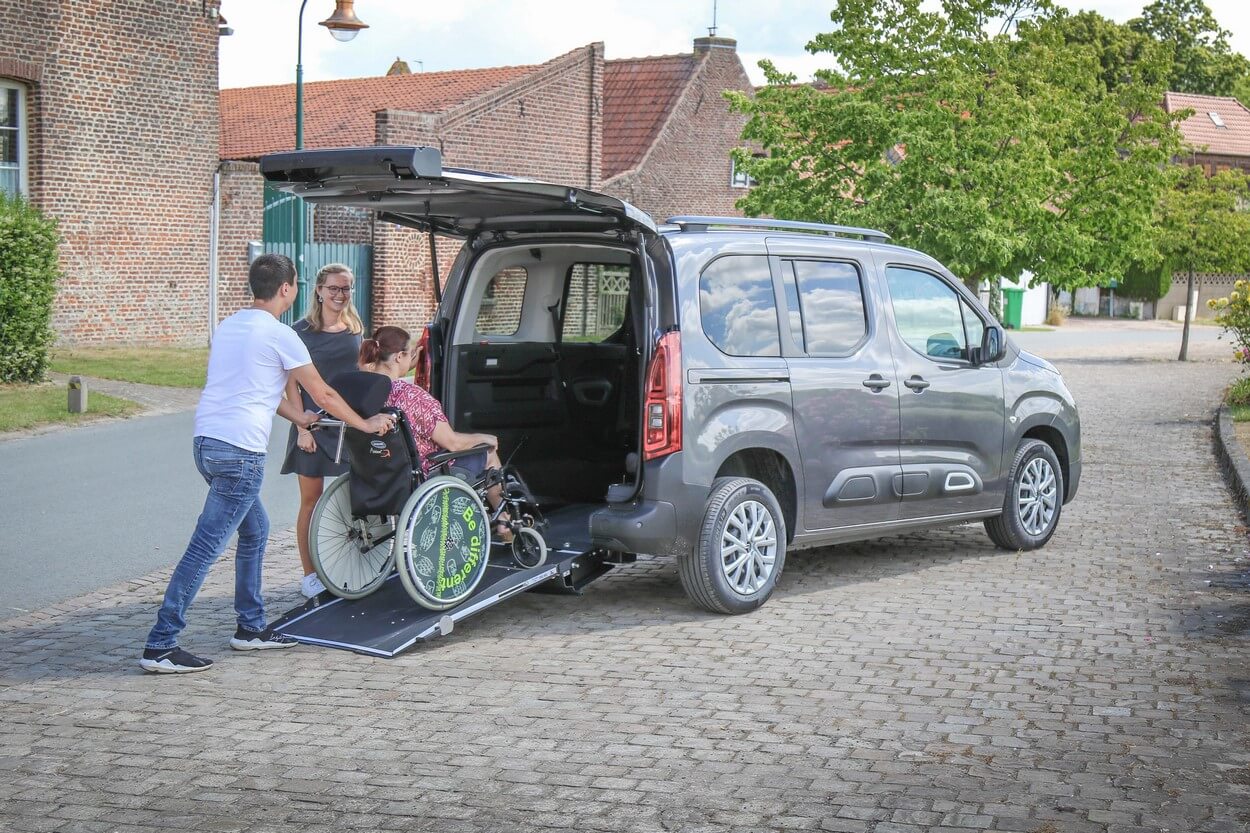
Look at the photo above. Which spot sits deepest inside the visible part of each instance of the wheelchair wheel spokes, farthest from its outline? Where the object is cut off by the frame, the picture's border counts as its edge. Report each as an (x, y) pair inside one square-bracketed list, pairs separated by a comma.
[(352, 556)]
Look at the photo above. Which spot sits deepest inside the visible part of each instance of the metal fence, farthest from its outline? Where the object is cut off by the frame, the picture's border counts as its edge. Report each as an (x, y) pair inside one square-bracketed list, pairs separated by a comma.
[(281, 225)]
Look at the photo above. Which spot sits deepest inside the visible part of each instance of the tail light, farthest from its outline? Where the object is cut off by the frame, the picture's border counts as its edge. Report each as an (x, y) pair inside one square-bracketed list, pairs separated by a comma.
[(662, 409), (425, 361)]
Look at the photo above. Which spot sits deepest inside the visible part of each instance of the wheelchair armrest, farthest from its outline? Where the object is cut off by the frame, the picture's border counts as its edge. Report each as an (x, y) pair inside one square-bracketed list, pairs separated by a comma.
[(443, 456)]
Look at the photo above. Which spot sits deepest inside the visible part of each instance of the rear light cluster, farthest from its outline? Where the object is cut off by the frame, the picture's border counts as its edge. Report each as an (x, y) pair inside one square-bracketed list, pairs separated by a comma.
[(421, 378), (662, 408)]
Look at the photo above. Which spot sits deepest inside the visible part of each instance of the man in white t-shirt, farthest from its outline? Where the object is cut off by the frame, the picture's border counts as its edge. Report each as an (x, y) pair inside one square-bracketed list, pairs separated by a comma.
[(252, 355)]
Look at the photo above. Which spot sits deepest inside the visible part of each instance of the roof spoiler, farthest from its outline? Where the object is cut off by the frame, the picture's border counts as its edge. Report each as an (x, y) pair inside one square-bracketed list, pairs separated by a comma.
[(379, 161)]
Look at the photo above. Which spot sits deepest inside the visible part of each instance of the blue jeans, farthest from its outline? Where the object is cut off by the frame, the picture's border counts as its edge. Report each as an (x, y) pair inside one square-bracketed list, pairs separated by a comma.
[(233, 503)]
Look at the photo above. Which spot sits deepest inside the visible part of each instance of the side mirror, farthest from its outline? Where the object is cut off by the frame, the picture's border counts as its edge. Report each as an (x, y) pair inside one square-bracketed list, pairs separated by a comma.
[(993, 346)]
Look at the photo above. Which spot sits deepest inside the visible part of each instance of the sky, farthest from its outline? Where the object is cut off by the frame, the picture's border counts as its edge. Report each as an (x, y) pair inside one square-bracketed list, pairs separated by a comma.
[(466, 34)]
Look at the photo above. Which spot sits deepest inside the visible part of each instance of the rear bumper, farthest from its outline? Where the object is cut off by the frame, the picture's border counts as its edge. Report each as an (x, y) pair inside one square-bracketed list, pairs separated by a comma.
[(647, 526), (663, 520)]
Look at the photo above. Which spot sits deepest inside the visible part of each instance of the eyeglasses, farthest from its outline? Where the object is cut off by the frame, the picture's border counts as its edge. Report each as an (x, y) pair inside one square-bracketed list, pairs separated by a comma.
[(338, 290)]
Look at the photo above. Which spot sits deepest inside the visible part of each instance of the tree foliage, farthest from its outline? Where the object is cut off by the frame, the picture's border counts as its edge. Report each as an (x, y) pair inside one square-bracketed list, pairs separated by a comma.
[(28, 264), (996, 153), (1202, 223), (1202, 60)]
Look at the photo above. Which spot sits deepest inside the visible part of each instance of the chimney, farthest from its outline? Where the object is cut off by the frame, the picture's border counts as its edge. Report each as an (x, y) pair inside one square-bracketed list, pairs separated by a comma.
[(708, 44), (399, 68)]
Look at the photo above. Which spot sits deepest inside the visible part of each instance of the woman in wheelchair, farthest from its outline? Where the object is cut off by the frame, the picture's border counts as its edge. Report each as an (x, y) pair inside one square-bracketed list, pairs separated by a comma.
[(416, 499), (390, 354)]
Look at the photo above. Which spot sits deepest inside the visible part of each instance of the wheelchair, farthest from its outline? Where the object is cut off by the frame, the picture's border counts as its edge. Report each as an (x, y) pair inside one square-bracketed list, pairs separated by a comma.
[(387, 514)]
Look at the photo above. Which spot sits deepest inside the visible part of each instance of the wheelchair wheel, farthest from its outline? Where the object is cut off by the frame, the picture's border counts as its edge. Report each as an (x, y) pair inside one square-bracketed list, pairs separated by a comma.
[(528, 548), (442, 542), (346, 552)]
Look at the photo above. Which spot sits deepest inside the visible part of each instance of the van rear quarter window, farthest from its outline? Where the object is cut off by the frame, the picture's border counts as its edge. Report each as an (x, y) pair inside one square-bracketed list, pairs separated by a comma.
[(594, 304), (499, 313), (737, 306)]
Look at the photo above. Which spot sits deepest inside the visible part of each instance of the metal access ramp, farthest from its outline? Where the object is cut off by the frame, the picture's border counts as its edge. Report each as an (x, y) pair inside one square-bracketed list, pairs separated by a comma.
[(388, 622)]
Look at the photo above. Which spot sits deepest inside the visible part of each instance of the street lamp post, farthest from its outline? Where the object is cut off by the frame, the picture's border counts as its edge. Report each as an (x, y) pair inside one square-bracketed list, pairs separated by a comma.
[(343, 25)]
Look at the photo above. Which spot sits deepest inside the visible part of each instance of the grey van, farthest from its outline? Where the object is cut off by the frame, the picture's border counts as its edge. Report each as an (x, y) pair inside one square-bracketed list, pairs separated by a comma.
[(721, 390)]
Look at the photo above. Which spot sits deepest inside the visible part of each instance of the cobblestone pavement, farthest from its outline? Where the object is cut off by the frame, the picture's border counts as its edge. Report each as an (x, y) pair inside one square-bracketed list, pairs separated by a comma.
[(919, 683)]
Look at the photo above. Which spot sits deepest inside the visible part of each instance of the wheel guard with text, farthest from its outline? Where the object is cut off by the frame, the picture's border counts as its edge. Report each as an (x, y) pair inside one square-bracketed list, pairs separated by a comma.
[(447, 541)]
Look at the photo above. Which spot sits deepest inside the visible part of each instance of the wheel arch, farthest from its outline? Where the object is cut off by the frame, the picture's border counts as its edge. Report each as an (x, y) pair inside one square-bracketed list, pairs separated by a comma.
[(1054, 438), (772, 469)]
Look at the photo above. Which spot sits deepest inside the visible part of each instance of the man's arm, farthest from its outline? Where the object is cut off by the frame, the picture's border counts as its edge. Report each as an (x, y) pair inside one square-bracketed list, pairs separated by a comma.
[(328, 398)]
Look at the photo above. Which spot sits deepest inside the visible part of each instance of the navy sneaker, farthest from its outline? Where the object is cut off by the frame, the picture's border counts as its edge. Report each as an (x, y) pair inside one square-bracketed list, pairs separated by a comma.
[(245, 640), (172, 661)]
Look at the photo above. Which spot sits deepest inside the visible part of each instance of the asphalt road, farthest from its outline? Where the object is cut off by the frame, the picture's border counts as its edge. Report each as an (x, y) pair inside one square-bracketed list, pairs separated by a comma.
[(96, 505)]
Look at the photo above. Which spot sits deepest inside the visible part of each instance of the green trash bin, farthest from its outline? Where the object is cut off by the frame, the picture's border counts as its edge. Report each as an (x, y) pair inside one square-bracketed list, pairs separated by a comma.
[(1013, 308)]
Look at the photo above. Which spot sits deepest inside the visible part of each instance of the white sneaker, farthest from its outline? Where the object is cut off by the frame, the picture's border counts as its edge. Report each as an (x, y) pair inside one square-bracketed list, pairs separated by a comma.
[(311, 586)]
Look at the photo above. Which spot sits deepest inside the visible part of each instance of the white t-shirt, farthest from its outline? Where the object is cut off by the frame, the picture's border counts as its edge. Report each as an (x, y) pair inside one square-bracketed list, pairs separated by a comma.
[(251, 357)]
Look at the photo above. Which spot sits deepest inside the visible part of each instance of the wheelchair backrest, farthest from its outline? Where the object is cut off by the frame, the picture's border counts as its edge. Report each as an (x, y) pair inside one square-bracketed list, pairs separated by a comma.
[(384, 470)]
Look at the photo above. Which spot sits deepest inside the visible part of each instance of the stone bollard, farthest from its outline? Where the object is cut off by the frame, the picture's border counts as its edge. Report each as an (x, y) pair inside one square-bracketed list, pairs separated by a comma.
[(77, 395)]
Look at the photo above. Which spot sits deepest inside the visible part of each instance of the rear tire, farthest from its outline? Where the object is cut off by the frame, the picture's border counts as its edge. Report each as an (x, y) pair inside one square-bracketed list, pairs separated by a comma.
[(1034, 499), (341, 547), (734, 566)]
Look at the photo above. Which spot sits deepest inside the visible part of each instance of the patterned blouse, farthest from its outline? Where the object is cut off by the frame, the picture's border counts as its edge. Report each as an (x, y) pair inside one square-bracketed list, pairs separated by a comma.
[(423, 413)]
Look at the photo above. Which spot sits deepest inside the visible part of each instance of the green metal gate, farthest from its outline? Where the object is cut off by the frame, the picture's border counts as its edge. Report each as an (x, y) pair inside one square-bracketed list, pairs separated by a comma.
[(281, 225)]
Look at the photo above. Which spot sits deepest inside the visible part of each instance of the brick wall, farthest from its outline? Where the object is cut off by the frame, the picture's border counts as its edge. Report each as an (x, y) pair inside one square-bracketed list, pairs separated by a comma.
[(545, 125), (687, 170), (242, 218), (122, 109)]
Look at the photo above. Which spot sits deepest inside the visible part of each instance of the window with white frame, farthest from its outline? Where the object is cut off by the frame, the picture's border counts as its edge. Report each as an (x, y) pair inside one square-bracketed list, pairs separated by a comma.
[(737, 178), (12, 138)]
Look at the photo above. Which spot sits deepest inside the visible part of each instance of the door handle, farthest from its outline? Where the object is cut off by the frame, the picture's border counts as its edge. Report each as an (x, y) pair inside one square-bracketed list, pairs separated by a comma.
[(876, 382), (916, 383)]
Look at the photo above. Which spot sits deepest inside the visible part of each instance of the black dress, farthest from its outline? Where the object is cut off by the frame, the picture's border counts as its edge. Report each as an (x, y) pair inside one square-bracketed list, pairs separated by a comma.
[(332, 353)]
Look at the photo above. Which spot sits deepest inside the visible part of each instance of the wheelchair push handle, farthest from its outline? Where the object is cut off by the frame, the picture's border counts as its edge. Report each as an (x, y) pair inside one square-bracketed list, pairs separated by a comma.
[(329, 422)]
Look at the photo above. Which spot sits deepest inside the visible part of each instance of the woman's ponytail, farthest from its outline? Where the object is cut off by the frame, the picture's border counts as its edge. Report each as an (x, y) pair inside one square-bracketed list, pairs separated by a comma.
[(386, 342), (370, 351)]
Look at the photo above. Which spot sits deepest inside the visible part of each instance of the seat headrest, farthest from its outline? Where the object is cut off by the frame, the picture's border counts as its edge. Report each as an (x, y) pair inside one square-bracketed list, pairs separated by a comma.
[(363, 391)]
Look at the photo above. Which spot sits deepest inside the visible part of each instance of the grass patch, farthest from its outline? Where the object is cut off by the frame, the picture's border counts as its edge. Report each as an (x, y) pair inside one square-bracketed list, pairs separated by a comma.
[(26, 406), (1238, 400), (1034, 329), (175, 367)]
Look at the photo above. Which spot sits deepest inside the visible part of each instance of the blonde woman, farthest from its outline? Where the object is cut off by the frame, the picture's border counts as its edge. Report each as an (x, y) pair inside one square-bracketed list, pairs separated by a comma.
[(331, 330)]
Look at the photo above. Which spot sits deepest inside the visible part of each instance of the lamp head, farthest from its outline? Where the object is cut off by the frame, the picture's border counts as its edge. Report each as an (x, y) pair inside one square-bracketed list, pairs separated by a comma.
[(343, 24)]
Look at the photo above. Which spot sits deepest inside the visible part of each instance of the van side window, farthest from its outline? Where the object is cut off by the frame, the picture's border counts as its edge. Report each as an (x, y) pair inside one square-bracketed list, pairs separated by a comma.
[(499, 313), (833, 306), (738, 308), (927, 313), (594, 305)]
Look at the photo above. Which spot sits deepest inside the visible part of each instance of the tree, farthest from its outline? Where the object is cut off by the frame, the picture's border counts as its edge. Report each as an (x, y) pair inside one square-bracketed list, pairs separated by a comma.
[(1202, 225), (1123, 52), (994, 153), (1202, 60)]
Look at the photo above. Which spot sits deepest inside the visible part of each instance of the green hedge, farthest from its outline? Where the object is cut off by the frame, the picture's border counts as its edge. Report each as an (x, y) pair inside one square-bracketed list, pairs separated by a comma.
[(28, 275)]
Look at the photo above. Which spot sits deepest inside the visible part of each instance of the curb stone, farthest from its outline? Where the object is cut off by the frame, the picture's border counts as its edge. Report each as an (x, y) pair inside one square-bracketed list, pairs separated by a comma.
[(1233, 460)]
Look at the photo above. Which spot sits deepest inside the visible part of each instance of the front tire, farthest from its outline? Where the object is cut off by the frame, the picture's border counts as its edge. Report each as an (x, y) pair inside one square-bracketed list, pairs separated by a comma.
[(741, 550), (1034, 499)]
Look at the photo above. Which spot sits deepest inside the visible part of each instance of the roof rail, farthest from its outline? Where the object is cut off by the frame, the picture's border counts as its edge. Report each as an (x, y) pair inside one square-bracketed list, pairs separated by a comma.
[(699, 223)]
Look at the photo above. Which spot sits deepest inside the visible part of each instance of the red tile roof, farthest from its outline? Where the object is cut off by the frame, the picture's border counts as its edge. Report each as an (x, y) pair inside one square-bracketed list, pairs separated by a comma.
[(1201, 131), (638, 94), (260, 120)]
